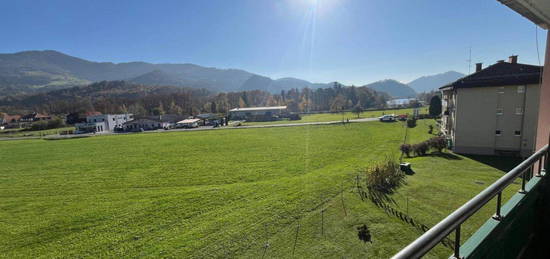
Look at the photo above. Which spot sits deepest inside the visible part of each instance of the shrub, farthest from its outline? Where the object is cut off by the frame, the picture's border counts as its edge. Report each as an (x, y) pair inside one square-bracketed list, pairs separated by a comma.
[(406, 149), (50, 124), (411, 122), (294, 117), (363, 233), (438, 143), (56, 123), (421, 148), (384, 177), (39, 125)]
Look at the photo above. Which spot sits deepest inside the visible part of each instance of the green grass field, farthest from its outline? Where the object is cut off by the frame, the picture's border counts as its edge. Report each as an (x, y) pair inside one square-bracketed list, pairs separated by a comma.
[(16, 133), (323, 117), (247, 193)]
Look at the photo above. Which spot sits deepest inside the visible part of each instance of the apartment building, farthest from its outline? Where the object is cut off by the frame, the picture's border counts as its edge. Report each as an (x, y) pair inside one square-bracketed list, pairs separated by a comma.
[(494, 110)]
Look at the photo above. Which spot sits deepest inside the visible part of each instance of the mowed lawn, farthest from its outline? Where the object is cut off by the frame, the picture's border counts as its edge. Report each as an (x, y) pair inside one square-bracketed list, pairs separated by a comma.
[(16, 133), (324, 117), (247, 193)]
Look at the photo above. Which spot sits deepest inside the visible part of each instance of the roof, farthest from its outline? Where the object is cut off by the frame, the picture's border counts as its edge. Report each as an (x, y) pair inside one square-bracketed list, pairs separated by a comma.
[(258, 108), (10, 118), (500, 74), (188, 121), (92, 113), (34, 115), (143, 120), (207, 116), (163, 118)]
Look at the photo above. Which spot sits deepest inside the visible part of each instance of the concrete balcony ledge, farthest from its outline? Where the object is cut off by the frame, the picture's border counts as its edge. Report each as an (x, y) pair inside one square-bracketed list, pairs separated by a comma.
[(507, 237)]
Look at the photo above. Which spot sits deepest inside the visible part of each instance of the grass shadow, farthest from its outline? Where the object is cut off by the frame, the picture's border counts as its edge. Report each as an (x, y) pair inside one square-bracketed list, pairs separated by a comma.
[(385, 202), (499, 162)]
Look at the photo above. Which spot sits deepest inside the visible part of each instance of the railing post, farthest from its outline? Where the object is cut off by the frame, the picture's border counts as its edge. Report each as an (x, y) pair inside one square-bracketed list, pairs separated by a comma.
[(523, 175), (546, 156), (546, 161), (538, 174), (457, 242), (497, 215)]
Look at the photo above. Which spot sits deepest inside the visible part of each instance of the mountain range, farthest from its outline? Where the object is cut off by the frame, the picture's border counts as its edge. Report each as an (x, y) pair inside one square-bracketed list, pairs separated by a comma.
[(31, 72), (393, 88), (430, 83)]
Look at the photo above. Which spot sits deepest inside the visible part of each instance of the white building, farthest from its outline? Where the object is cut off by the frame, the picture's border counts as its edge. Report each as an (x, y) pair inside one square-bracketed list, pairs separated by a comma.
[(147, 124), (400, 102), (257, 113), (103, 123)]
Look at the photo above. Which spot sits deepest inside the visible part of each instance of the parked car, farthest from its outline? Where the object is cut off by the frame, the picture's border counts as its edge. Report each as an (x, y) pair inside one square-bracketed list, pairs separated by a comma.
[(387, 118), (402, 117)]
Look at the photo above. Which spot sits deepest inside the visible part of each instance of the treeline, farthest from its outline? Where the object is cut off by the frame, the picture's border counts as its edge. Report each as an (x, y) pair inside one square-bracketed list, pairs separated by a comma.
[(124, 97)]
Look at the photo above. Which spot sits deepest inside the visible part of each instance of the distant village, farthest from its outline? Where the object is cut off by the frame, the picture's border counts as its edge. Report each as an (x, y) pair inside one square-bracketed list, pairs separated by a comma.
[(95, 122)]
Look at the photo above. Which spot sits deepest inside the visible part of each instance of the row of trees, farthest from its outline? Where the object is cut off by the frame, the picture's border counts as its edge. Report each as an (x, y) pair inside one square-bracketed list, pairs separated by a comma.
[(122, 97)]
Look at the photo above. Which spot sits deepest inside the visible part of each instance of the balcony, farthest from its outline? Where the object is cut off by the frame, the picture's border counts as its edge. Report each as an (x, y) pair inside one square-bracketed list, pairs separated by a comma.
[(516, 230)]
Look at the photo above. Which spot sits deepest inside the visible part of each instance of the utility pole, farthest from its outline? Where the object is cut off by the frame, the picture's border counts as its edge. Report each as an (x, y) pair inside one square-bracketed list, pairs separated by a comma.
[(470, 61)]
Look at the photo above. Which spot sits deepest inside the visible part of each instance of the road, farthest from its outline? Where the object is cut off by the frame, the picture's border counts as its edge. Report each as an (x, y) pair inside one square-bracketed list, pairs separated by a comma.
[(197, 129)]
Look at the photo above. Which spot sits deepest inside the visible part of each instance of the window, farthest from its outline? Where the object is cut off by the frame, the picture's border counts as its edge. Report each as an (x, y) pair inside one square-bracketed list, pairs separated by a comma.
[(499, 111), (521, 89), (498, 132), (113, 119), (517, 133), (519, 111)]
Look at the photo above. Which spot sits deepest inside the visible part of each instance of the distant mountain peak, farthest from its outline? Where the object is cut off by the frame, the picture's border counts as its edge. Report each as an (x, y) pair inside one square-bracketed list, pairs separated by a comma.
[(393, 88), (433, 82)]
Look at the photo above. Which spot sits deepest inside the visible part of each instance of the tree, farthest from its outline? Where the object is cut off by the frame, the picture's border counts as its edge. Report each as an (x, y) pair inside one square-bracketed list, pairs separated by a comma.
[(137, 109), (293, 106), (213, 108), (338, 104), (242, 104), (158, 110), (357, 110), (435, 106), (175, 109)]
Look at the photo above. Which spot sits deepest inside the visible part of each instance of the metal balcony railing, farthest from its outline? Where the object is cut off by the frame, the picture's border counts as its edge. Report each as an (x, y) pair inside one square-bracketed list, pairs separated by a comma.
[(436, 234)]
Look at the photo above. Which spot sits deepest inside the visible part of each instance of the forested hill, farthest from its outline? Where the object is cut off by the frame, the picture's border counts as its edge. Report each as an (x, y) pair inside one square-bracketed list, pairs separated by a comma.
[(393, 88), (40, 71), (122, 96)]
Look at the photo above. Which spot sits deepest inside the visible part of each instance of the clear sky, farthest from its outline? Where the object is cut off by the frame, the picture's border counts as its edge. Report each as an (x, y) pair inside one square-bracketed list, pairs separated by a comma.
[(351, 41)]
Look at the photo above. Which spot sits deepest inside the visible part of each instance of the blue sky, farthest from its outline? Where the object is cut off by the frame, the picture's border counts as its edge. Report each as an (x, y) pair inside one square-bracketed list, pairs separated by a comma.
[(351, 41)]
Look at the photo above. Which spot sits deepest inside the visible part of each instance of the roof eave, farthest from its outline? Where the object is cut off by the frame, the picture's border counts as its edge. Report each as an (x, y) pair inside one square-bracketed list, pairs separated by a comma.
[(537, 11)]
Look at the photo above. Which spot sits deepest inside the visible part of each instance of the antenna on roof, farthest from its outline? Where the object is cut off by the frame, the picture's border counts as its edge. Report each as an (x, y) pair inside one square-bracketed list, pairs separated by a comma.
[(469, 60)]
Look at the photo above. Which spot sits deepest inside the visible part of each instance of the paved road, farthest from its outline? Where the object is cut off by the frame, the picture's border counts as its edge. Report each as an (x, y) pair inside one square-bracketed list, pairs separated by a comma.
[(197, 129)]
